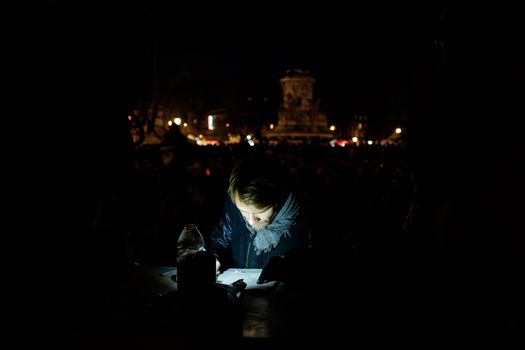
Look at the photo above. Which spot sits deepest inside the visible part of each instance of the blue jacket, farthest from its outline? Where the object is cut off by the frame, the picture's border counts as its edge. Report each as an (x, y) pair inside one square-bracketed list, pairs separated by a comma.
[(230, 240)]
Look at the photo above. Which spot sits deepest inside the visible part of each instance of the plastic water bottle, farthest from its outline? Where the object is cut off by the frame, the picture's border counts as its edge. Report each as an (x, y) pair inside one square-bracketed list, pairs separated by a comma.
[(195, 266), (190, 241)]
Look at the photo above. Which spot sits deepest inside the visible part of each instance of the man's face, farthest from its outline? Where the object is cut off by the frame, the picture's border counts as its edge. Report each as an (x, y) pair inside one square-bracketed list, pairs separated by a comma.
[(258, 219)]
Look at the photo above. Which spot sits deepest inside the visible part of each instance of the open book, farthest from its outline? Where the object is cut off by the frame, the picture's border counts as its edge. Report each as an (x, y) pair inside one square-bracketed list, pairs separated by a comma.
[(249, 276)]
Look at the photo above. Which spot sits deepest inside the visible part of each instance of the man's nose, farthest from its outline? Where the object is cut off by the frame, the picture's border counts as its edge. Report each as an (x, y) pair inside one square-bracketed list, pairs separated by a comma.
[(253, 219)]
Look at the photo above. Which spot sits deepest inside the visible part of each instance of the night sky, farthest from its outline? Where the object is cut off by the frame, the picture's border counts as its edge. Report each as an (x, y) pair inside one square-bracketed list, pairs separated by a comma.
[(383, 60), (366, 59)]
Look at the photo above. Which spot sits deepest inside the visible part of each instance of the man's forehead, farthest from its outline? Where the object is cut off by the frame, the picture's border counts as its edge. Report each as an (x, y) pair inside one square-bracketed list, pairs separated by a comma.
[(248, 208)]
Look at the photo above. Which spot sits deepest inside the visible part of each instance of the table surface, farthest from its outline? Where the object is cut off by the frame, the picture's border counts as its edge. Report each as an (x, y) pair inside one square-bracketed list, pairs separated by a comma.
[(270, 310), (160, 280)]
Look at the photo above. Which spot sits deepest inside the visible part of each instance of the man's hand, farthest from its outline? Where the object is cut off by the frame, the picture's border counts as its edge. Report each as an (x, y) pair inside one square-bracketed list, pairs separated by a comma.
[(217, 266)]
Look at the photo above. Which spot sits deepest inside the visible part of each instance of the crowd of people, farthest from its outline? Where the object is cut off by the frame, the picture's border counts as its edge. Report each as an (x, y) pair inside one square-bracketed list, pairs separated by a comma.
[(364, 191)]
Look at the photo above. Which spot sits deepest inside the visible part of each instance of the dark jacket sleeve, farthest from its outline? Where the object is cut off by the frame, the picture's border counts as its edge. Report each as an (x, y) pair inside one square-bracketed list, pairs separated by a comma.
[(221, 237)]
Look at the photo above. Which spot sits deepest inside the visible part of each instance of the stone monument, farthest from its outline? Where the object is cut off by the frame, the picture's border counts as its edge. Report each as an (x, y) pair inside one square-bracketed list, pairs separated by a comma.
[(299, 116)]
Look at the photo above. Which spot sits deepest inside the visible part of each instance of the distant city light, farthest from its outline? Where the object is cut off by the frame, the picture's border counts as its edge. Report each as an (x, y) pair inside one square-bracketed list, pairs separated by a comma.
[(211, 124), (398, 130), (177, 121), (355, 139), (370, 142), (248, 137), (272, 126), (227, 125), (185, 124), (170, 123), (332, 127)]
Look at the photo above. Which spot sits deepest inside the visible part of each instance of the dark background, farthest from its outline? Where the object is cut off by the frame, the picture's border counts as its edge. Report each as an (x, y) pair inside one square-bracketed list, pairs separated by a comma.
[(76, 69), (367, 58)]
